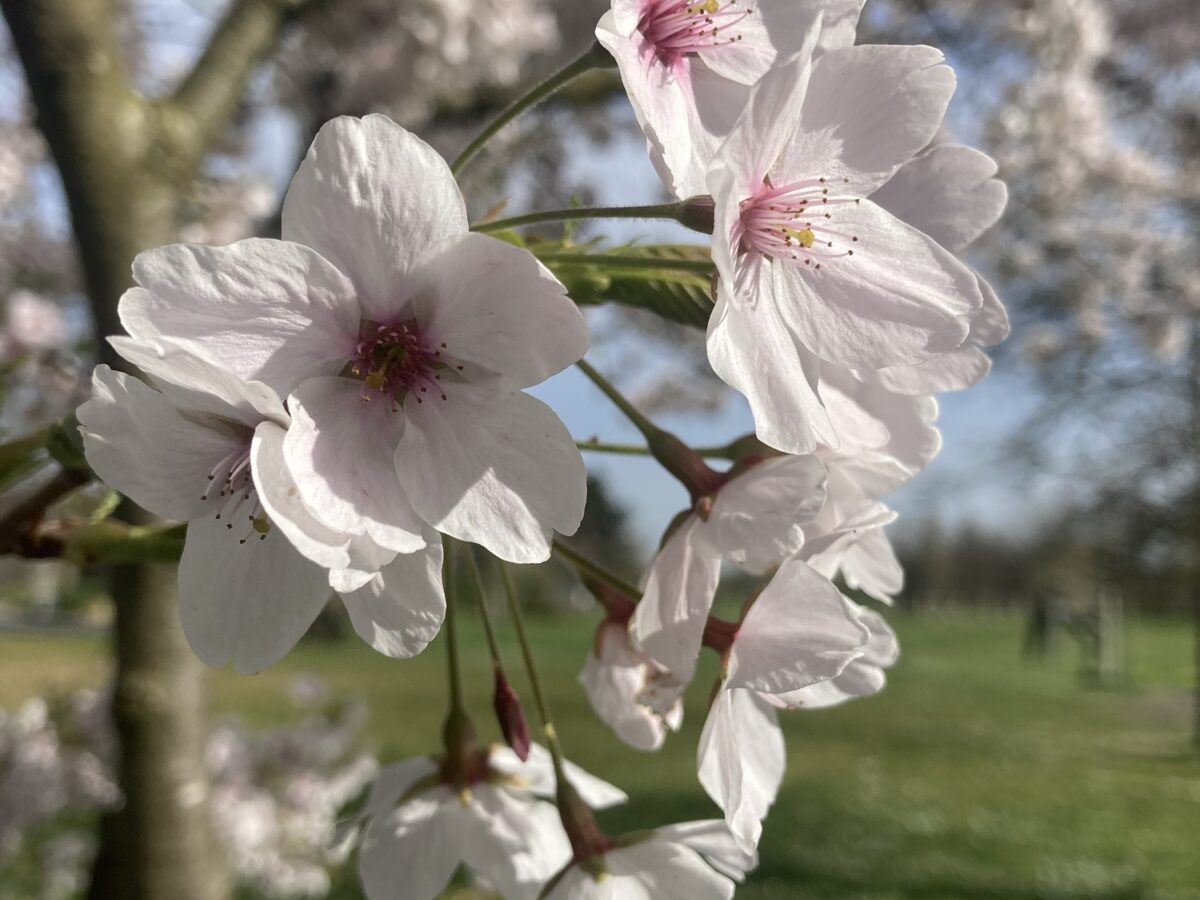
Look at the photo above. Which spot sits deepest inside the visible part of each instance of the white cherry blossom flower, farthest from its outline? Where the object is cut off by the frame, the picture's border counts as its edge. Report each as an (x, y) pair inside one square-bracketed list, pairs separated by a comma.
[(803, 627), (688, 66), (631, 693), (688, 861), (755, 520), (203, 447), (809, 267), (420, 828), (401, 341)]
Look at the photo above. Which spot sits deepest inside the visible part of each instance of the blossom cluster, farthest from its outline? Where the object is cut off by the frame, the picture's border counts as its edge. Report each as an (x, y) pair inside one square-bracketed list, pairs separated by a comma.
[(329, 410), (276, 795)]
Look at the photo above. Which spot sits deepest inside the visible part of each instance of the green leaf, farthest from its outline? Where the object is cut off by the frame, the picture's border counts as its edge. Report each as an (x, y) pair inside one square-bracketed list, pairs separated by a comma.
[(673, 281)]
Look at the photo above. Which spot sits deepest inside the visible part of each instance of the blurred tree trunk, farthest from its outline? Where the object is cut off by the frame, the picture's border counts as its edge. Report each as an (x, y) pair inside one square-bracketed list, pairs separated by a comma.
[(124, 160)]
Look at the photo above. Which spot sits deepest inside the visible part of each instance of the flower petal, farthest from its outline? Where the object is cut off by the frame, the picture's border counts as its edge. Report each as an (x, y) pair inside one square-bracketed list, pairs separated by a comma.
[(492, 466), (950, 193), (268, 311), (752, 351), (372, 198), (250, 602), (495, 305), (900, 299), (140, 444), (712, 839), (668, 623), (536, 775), (741, 759), (281, 499), (867, 111), (400, 610), (613, 678), (339, 450), (415, 845), (197, 385), (799, 631), (758, 517)]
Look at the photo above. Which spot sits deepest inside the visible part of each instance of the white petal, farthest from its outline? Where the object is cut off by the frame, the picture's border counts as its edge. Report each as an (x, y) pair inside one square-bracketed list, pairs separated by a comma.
[(950, 193), (989, 325), (280, 498), (495, 305), (799, 631), (400, 610), (668, 624), (758, 517), (515, 842), (712, 839), (196, 385), (867, 111), (138, 443), (269, 311), (394, 781), (741, 760), (768, 125), (863, 677), (752, 351), (495, 467), (955, 371), (613, 678), (899, 299), (372, 198), (536, 775), (870, 565), (668, 871), (246, 603), (339, 450), (414, 848)]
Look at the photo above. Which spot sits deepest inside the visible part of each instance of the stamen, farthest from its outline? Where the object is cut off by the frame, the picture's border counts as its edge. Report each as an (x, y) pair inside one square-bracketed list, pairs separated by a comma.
[(676, 28), (396, 360), (779, 223)]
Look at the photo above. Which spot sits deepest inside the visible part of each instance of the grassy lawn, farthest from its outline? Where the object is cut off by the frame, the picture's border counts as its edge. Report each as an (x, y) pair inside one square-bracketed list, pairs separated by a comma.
[(974, 775)]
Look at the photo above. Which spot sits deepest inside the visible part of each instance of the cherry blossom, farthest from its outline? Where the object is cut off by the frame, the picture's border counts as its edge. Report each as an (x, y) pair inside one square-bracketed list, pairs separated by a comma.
[(204, 447), (688, 66), (810, 267), (630, 692), (401, 341), (420, 825), (755, 520)]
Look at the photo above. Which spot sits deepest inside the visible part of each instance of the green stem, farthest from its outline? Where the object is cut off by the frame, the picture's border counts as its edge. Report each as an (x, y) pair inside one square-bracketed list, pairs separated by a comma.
[(723, 452), (481, 599), (454, 666), (595, 57), (593, 568), (535, 681), (672, 211), (644, 425), (632, 263)]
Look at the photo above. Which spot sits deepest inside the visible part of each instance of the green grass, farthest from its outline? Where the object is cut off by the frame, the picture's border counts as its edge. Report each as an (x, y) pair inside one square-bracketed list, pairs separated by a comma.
[(974, 775)]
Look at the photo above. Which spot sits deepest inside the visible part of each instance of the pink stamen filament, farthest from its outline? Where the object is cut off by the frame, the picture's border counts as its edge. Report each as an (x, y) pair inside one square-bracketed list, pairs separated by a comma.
[(793, 221), (679, 27), (236, 487)]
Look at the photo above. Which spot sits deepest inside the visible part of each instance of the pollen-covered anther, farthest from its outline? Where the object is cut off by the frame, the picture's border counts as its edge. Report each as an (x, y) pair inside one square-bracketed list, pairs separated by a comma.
[(675, 28), (778, 223), (234, 475)]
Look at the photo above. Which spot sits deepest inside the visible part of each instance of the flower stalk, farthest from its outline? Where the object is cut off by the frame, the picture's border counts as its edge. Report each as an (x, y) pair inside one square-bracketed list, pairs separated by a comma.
[(671, 211), (673, 454), (595, 57)]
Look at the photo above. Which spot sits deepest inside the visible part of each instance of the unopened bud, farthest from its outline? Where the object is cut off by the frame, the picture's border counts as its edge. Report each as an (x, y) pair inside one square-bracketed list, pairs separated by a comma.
[(511, 716), (696, 213)]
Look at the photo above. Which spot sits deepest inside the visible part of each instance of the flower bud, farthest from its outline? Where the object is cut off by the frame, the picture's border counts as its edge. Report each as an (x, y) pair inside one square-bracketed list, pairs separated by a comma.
[(510, 716)]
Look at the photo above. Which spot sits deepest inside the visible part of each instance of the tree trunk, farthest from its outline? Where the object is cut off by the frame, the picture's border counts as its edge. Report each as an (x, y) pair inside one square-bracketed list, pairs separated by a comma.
[(123, 161)]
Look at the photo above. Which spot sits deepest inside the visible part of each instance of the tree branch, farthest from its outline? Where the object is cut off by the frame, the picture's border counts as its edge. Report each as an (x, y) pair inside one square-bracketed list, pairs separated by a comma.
[(207, 97)]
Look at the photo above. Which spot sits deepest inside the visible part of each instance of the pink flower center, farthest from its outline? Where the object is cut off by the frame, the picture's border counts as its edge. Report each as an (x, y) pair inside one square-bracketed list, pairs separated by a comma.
[(398, 361), (796, 221), (235, 495), (675, 28)]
